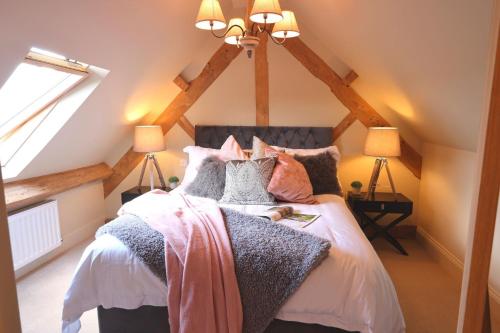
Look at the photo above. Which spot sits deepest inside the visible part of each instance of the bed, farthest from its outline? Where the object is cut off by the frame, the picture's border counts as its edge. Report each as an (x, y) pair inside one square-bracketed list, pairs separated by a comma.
[(349, 292)]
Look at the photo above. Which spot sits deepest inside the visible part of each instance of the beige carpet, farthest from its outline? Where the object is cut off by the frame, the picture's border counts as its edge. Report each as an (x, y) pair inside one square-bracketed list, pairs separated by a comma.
[(428, 295)]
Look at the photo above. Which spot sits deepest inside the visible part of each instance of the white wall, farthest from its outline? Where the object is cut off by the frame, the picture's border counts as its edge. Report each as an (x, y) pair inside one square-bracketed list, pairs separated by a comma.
[(81, 212), (446, 190), (296, 99)]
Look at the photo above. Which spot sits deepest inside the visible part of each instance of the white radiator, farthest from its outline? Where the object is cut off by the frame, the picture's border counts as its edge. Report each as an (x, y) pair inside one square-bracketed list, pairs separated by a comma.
[(34, 232)]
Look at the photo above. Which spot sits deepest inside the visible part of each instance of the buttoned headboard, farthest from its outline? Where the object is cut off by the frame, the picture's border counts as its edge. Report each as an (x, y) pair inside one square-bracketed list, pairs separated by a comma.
[(292, 137)]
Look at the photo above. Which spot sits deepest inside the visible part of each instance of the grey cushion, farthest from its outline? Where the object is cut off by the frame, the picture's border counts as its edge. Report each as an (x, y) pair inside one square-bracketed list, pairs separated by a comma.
[(322, 171), (247, 181), (210, 180), (291, 137)]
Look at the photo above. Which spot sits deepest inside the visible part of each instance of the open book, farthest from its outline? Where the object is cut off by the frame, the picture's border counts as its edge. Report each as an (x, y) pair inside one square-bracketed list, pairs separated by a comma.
[(289, 216)]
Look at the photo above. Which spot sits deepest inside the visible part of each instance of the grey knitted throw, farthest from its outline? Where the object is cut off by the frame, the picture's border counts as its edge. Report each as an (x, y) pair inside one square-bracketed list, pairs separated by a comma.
[(271, 260)]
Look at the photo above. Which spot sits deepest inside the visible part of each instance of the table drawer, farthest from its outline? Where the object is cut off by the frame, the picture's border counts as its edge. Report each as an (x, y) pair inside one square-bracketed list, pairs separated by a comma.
[(392, 207)]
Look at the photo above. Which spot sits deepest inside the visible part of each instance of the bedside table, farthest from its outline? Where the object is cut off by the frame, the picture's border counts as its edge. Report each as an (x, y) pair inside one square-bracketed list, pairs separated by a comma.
[(134, 192), (382, 204)]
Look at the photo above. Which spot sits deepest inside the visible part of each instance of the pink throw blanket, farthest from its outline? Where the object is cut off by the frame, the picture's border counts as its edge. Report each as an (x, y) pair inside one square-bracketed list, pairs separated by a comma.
[(203, 294)]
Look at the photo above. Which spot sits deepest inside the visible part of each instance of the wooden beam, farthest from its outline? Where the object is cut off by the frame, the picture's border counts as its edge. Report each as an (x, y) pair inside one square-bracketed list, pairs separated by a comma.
[(350, 98), (248, 23), (262, 83), (186, 126), (174, 111), (9, 308), (350, 77), (485, 216), (181, 83), (26, 192), (343, 125)]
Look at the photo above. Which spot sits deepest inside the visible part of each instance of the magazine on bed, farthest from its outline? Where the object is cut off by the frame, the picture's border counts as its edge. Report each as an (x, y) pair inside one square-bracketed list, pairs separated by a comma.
[(287, 215)]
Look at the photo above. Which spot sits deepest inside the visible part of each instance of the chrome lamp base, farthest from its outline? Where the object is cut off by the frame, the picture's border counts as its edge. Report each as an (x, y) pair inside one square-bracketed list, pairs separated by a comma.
[(153, 162), (380, 163)]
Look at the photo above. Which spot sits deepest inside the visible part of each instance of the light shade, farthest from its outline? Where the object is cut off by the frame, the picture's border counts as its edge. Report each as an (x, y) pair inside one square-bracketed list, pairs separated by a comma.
[(266, 11), (382, 142), (235, 33), (288, 27), (148, 139), (210, 13)]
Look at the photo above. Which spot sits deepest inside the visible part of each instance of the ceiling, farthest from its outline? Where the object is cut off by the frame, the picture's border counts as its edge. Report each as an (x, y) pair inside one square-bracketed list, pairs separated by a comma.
[(422, 64)]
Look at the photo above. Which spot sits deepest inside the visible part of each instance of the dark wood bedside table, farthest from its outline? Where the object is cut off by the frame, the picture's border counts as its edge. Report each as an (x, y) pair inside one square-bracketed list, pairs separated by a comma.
[(134, 192), (382, 204)]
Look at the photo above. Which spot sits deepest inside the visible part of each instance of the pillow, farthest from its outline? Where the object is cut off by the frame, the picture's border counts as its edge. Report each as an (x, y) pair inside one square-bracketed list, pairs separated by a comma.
[(230, 150), (259, 146), (333, 150), (210, 180), (289, 181), (322, 171), (247, 181)]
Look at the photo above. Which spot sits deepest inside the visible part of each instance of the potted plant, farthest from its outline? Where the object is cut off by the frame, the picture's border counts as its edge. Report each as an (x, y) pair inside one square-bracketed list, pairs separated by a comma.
[(173, 182), (356, 187)]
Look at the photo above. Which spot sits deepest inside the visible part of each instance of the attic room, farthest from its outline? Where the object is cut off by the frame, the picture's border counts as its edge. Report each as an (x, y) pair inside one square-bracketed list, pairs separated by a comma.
[(250, 166)]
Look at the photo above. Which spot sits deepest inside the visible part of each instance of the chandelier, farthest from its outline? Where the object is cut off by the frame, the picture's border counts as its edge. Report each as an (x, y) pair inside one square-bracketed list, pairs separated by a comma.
[(266, 17)]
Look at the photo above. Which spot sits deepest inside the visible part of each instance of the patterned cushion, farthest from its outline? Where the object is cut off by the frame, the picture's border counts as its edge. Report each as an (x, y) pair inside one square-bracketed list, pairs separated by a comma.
[(322, 171), (259, 146), (247, 181)]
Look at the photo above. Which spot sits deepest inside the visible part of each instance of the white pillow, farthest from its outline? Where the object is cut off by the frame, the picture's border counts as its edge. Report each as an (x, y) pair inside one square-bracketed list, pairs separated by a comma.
[(333, 150)]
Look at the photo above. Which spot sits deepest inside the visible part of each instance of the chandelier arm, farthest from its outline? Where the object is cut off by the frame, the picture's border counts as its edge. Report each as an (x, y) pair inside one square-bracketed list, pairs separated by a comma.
[(276, 40), (243, 32)]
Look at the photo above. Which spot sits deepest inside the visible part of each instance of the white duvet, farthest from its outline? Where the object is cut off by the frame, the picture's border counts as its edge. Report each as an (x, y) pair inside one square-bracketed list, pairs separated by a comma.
[(350, 290)]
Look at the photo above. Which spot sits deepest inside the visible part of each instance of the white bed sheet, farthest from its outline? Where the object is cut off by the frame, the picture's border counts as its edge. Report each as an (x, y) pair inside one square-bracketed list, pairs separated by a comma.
[(350, 290)]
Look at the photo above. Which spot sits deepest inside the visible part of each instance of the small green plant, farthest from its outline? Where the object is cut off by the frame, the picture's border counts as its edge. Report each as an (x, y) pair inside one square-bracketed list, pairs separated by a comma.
[(356, 184), (173, 179)]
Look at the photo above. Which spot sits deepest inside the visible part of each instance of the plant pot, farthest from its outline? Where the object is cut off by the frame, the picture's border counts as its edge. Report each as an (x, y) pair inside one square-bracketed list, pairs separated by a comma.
[(356, 190), (173, 185)]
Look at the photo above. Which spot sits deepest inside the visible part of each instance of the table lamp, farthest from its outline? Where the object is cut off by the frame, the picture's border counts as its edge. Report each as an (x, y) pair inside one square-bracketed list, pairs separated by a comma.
[(149, 140), (381, 142)]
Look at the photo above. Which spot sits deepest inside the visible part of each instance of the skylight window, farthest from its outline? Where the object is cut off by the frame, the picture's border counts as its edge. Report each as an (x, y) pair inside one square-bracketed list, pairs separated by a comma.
[(41, 94)]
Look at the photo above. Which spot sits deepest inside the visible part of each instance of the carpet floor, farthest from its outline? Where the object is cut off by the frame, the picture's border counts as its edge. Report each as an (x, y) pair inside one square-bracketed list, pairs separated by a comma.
[(428, 295)]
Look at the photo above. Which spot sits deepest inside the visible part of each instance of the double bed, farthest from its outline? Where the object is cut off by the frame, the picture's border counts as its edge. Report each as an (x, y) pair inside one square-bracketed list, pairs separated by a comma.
[(350, 291)]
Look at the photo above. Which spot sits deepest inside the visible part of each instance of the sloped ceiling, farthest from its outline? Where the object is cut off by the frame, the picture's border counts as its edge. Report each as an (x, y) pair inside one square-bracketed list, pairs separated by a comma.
[(425, 61), (422, 64)]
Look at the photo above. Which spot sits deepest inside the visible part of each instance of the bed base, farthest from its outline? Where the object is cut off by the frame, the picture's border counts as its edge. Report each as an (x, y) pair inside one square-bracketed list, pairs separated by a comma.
[(154, 319)]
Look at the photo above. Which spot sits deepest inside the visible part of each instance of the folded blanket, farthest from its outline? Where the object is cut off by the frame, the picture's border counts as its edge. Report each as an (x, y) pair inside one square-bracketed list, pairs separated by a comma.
[(271, 260), (203, 293)]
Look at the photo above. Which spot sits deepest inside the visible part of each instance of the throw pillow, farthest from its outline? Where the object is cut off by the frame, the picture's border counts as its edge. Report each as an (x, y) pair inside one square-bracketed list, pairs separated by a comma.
[(289, 181), (322, 171), (259, 146), (230, 150), (210, 180), (247, 181)]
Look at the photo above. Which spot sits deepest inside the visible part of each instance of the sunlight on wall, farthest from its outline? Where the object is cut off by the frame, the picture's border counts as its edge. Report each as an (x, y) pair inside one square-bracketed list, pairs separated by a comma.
[(148, 103)]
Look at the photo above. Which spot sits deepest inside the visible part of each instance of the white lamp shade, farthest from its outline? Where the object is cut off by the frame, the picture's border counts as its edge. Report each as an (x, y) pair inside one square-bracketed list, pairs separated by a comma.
[(234, 34), (266, 11), (288, 27), (148, 139), (210, 16), (383, 142)]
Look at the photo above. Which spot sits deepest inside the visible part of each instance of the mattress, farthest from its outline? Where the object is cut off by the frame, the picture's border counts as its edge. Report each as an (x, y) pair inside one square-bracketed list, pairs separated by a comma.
[(350, 290)]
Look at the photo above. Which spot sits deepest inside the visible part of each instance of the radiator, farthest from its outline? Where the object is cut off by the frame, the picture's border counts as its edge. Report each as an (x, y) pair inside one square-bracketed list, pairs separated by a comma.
[(34, 232)]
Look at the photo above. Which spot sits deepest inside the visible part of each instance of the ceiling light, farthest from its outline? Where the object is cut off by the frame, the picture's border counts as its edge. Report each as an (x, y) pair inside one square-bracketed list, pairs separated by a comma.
[(286, 28), (235, 31), (266, 11), (210, 16), (263, 15)]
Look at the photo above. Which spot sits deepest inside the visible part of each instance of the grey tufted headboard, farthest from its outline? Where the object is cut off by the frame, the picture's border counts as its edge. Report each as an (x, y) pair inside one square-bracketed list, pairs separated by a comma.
[(292, 137)]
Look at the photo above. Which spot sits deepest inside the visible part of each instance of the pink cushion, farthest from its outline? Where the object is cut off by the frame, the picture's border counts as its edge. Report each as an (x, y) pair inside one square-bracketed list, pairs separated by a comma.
[(230, 150), (290, 181)]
